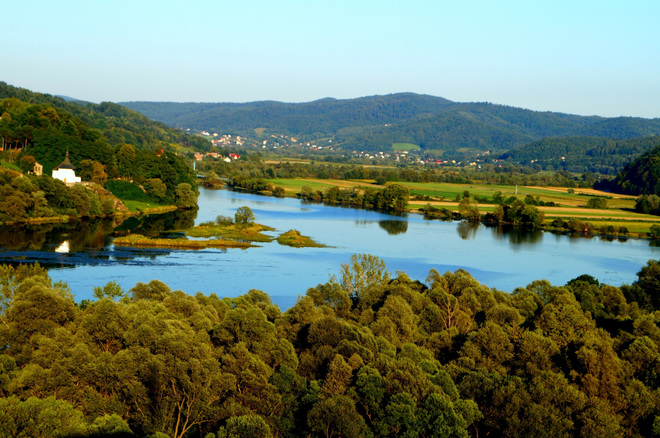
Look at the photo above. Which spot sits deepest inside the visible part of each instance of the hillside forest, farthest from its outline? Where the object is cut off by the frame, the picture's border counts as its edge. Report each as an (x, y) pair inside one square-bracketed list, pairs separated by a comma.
[(440, 128), (123, 153)]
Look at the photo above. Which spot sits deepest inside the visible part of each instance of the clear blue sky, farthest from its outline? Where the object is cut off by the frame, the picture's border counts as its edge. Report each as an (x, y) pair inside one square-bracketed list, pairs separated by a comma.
[(581, 57)]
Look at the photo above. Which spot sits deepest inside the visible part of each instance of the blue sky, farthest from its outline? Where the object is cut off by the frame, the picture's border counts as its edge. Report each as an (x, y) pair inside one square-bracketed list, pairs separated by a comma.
[(579, 56)]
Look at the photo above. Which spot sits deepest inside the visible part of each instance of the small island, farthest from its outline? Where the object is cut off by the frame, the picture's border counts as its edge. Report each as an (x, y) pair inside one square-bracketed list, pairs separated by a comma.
[(225, 232), (295, 239)]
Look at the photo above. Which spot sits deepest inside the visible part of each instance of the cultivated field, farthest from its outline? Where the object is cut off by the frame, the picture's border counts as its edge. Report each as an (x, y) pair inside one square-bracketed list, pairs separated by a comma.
[(570, 203)]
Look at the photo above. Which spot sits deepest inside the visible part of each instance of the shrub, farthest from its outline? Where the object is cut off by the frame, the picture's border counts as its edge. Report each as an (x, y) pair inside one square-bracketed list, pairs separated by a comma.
[(600, 203), (126, 190), (224, 220)]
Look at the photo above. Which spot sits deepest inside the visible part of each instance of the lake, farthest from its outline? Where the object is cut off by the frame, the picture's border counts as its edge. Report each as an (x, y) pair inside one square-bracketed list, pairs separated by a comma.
[(83, 254)]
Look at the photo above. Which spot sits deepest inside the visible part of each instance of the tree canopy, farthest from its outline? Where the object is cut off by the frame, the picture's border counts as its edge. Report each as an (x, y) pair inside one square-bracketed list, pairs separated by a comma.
[(363, 355)]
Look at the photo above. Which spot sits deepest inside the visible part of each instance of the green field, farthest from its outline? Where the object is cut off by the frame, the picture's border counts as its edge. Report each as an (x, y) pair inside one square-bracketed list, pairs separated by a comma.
[(568, 205), (405, 147), (144, 206)]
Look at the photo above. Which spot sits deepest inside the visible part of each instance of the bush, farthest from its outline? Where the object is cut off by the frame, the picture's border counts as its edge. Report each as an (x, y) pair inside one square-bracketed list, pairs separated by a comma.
[(600, 203), (224, 220), (127, 190), (184, 196), (655, 232)]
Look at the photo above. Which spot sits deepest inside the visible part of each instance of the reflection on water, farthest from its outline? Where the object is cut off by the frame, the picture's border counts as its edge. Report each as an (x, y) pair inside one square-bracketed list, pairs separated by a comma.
[(394, 227), (48, 237), (518, 236), (467, 230), (154, 225), (87, 242)]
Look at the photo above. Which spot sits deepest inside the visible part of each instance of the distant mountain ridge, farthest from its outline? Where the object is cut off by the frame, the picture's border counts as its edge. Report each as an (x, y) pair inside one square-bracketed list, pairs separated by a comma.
[(376, 122)]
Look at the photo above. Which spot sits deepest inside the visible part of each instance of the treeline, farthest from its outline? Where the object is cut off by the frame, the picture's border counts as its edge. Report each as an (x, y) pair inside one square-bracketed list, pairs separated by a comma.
[(252, 166), (392, 198), (511, 211), (362, 355), (525, 214)]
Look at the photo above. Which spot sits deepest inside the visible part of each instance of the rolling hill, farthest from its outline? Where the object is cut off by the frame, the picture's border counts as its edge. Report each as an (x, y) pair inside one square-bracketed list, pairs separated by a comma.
[(377, 122), (115, 123)]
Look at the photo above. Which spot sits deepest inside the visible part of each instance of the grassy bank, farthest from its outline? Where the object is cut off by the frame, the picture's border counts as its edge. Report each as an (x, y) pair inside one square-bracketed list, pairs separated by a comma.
[(249, 233), (138, 240)]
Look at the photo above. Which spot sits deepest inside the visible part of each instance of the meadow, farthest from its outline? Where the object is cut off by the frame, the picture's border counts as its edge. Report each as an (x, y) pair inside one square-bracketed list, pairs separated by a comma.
[(569, 202)]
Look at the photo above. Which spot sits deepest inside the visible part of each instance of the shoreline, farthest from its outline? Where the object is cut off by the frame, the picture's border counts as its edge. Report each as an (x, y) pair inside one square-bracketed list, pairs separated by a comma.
[(66, 219)]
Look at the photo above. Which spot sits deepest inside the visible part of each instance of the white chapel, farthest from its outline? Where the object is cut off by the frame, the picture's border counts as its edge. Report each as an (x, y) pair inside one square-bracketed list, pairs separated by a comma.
[(66, 171)]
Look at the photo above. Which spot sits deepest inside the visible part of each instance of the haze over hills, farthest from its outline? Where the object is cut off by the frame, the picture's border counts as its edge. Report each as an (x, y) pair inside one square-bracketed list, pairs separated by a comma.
[(439, 126)]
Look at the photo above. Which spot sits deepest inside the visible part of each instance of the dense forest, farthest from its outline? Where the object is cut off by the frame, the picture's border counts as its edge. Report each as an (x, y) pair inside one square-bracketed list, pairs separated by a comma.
[(581, 154), (114, 147), (365, 354), (441, 127), (114, 124), (640, 177)]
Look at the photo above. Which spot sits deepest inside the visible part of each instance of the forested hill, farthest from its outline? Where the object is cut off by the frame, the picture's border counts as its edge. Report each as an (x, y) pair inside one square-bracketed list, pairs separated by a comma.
[(580, 154), (639, 177), (43, 113), (376, 122)]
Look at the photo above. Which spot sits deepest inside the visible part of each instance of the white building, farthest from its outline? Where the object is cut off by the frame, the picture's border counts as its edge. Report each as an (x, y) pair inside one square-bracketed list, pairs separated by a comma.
[(66, 171)]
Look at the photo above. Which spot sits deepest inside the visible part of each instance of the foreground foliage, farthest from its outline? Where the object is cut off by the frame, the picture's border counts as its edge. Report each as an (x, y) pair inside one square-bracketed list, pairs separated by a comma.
[(364, 354)]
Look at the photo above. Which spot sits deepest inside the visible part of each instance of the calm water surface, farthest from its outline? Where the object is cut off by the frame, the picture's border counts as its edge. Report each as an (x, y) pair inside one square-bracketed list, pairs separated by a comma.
[(411, 244)]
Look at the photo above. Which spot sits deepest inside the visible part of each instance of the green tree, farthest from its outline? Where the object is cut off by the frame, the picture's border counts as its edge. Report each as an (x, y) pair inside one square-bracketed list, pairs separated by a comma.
[(27, 163), (244, 216), (646, 290), (185, 197), (35, 417), (247, 426), (111, 290), (362, 272), (396, 197), (600, 203), (156, 189), (655, 232), (337, 417), (469, 210), (126, 160)]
